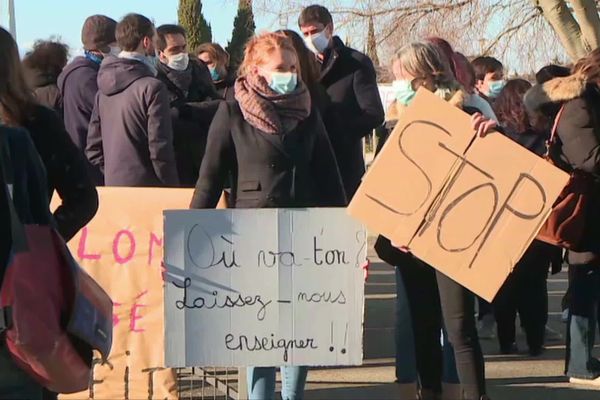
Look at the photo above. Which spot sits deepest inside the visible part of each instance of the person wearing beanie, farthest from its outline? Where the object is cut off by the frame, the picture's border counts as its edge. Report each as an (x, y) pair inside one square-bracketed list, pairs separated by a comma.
[(77, 82)]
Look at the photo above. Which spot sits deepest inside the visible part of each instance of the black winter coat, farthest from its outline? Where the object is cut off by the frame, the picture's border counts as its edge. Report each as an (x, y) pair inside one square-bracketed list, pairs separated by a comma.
[(130, 137), (579, 138), (355, 108), (297, 169), (78, 86), (67, 172), (190, 124), (25, 182), (225, 88)]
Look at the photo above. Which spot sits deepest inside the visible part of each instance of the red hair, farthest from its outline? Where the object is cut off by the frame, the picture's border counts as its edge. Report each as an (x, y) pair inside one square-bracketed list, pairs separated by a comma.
[(259, 48)]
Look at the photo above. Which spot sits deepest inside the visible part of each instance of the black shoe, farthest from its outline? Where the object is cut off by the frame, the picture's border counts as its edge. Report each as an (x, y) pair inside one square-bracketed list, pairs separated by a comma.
[(536, 351), (509, 349)]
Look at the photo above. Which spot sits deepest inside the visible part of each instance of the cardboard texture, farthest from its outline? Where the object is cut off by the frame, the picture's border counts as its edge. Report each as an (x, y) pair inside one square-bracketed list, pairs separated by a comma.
[(122, 249), (468, 206), (264, 287)]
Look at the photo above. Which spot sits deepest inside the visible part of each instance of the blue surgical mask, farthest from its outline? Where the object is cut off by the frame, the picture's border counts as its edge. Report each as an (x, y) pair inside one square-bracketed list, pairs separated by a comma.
[(214, 74), (404, 91), (495, 87), (283, 82)]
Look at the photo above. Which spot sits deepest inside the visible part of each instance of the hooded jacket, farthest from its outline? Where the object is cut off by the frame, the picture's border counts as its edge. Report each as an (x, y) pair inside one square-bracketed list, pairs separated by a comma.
[(578, 132), (45, 88), (78, 86), (130, 137)]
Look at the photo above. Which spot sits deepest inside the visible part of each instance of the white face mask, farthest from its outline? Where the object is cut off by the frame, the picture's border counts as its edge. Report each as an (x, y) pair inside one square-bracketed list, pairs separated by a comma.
[(178, 62), (318, 42)]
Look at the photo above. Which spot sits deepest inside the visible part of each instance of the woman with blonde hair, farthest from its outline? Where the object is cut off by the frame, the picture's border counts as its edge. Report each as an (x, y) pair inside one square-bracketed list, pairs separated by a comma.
[(434, 300), (272, 143)]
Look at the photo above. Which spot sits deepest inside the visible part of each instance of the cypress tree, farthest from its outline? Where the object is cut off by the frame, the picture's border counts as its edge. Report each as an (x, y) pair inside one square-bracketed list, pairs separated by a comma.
[(243, 30), (191, 18)]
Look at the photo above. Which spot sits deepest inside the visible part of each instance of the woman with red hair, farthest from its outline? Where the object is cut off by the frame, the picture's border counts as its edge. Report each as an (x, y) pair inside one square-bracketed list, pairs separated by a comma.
[(272, 142)]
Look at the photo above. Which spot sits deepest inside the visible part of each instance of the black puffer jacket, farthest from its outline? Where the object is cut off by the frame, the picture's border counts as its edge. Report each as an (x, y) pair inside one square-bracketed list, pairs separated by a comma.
[(67, 171), (579, 138)]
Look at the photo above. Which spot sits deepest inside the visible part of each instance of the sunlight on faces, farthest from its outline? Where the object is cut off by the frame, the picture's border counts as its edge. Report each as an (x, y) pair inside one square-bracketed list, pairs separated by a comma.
[(278, 60), (316, 28), (483, 86), (176, 44)]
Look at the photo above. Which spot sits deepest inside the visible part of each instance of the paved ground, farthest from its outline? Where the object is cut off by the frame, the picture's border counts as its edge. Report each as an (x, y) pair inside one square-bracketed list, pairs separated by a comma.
[(509, 377)]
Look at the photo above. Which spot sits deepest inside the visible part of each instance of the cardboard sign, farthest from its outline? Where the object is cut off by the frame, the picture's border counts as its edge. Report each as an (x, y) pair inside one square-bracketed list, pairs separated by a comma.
[(122, 249), (468, 206), (264, 287)]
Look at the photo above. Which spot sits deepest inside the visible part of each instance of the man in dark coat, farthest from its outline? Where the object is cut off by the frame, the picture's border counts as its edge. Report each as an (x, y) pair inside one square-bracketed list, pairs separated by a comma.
[(351, 83), (77, 82), (130, 135), (191, 95)]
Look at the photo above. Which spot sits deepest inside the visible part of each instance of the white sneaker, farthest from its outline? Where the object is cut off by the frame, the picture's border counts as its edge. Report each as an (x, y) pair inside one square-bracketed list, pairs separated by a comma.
[(585, 382), (552, 335), (487, 327)]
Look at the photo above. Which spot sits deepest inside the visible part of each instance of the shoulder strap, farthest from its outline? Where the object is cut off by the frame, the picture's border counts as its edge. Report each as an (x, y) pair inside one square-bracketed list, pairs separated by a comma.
[(554, 133), (555, 126)]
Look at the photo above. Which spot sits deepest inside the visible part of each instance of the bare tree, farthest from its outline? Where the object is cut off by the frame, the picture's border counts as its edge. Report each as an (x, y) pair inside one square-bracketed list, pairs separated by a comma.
[(508, 29), (575, 22)]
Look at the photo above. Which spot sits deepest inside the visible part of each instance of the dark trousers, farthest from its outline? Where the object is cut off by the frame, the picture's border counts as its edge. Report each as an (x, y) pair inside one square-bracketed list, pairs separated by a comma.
[(526, 292), (433, 296)]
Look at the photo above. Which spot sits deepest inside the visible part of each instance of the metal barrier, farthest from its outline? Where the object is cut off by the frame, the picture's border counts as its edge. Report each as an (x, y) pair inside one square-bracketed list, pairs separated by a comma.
[(211, 384)]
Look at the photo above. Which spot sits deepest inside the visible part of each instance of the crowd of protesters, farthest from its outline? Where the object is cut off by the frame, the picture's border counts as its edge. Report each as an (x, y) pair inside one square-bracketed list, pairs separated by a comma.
[(285, 129)]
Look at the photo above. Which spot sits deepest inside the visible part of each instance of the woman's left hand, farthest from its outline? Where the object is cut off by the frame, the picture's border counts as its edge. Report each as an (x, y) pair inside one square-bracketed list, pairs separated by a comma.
[(482, 125)]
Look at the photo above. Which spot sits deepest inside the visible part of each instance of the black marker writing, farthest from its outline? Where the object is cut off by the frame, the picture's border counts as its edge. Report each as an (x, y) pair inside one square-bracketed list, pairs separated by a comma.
[(271, 259), (329, 257), (220, 302), (256, 343), (322, 297), (198, 235)]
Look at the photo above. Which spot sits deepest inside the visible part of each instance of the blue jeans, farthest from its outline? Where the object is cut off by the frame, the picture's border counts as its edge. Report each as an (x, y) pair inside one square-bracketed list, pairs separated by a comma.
[(584, 292), (261, 383), (406, 363), (15, 384)]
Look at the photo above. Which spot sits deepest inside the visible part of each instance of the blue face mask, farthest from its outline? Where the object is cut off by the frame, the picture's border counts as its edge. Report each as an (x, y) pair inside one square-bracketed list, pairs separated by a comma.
[(404, 91), (214, 74), (283, 82), (495, 87)]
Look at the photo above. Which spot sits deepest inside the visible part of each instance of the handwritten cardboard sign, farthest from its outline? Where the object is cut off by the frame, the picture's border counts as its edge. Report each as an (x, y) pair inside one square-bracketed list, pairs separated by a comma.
[(264, 287), (468, 206), (122, 249)]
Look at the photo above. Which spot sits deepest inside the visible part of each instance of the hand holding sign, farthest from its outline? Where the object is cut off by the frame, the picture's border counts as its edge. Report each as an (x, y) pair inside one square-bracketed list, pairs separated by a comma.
[(468, 206)]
